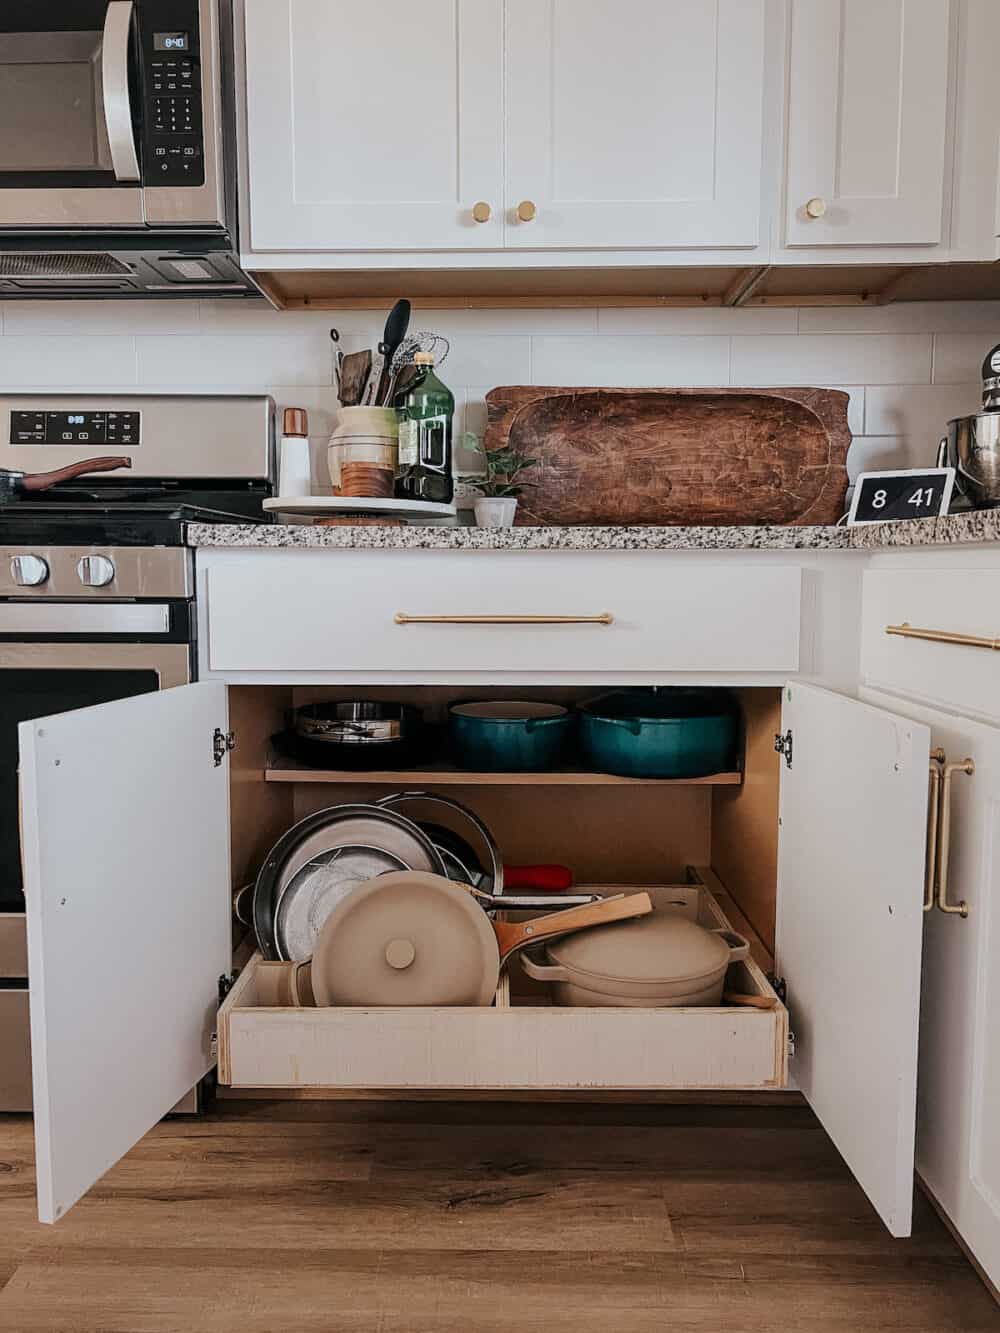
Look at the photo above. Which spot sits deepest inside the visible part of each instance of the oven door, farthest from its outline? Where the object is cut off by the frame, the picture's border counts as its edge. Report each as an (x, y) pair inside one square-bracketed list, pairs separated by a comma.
[(38, 678), (41, 678), (69, 106)]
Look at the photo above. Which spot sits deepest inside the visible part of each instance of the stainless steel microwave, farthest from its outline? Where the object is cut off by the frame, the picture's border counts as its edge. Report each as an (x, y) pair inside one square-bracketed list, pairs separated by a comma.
[(117, 148)]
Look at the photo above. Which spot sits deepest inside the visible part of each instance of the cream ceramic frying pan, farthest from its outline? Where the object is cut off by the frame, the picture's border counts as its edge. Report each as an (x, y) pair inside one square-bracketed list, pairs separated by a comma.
[(413, 938)]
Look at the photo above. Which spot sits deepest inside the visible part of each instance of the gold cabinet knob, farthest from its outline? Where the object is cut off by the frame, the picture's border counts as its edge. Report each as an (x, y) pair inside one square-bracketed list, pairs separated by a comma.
[(526, 211), (815, 207), (481, 212)]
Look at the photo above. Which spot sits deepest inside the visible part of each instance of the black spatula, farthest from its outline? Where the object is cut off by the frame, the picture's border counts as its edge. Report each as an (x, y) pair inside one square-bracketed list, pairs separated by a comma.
[(393, 334)]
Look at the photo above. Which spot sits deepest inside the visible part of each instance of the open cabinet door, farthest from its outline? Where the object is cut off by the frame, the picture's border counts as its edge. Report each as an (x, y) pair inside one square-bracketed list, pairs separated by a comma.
[(125, 833), (851, 855)]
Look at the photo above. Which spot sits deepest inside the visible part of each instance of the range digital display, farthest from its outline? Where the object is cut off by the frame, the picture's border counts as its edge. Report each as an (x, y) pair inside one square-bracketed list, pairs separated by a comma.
[(171, 41), (74, 428)]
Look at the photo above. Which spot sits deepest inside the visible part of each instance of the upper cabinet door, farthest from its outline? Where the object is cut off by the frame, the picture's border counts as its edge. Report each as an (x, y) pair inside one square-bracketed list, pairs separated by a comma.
[(125, 823), (634, 124), (867, 110), (373, 127), (851, 857)]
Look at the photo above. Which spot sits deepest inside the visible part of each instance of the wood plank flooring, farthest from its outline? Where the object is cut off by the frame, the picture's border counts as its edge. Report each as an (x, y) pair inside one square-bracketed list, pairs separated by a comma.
[(473, 1218)]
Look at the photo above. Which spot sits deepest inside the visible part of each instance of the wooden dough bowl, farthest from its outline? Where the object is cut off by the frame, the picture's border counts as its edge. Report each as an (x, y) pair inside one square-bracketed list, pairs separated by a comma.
[(676, 456)]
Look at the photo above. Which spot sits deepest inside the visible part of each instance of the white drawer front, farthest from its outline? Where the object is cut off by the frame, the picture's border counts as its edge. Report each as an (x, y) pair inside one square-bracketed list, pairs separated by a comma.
[(321, 611), (959, 601)]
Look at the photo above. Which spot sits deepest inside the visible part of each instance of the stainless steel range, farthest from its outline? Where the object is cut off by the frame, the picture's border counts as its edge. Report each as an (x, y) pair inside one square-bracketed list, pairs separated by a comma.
[(97, 586)]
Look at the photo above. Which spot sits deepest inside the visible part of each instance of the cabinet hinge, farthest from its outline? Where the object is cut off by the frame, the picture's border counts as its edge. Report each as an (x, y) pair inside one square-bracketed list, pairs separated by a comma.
[(780, 987), (783, 745), (222, 743), (226, 983)]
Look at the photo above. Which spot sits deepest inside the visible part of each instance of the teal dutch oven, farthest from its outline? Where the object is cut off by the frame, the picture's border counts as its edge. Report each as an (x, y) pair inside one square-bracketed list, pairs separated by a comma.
[(509, 736), (667, 733)]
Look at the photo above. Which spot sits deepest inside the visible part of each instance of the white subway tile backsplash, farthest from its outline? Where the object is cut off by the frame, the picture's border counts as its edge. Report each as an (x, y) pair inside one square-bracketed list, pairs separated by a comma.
[(630, 361), (883, 356), (711, 319), (905, 317), (108, 317), (488, 359), (921, 411), (248, 317), (958, 357), (903, 358), (71, 363), (218, 361), (879, 453), (462, 323)]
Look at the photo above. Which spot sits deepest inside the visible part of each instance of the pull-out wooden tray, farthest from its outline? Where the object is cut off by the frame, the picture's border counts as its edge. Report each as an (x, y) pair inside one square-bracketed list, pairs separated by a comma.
[(518, 1043)]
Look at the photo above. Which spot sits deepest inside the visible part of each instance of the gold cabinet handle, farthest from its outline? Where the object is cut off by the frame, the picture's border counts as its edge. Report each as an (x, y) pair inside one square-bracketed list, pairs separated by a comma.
[(907, 631), (933, 816), (605, 618), (944, 839), (481, 212), (526, 211), (815, 207)]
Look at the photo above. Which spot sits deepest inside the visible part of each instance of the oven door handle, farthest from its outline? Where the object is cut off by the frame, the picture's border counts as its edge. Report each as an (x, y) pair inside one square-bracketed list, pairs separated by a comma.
[(115, 90)]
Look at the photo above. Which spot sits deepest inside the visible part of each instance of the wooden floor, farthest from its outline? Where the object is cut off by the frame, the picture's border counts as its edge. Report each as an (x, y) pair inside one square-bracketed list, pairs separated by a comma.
[(449, 1218)]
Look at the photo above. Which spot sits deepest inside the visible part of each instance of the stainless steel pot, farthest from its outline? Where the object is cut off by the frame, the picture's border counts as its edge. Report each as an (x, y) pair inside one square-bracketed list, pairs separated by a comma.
[(972, 448)]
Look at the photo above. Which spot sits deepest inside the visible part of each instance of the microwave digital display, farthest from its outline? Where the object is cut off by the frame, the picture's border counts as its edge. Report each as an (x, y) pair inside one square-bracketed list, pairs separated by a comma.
[(171, 41)]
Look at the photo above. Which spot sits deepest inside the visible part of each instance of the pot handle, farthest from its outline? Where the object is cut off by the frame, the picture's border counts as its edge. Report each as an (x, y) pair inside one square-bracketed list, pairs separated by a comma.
[(739, 945), (632, 724), (942, 453), (514, 935), (542, 971)]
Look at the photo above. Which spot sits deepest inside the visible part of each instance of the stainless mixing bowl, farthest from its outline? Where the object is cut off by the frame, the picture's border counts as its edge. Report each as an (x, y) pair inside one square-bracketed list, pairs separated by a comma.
[(972, 448)]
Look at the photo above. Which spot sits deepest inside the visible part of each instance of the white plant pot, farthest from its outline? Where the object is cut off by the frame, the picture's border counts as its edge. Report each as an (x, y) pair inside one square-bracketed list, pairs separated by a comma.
[(493, 512)]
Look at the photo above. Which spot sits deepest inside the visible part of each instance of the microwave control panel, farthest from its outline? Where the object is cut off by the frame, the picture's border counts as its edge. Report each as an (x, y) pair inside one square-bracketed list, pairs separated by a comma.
[(174, 147)]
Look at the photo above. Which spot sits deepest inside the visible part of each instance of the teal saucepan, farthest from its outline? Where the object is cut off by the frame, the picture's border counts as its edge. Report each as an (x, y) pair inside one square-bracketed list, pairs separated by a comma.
[(667, 733), (509, 735)]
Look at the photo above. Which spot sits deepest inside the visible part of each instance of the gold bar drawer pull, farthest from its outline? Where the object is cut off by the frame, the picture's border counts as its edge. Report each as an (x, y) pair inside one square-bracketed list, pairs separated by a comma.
[(605, 618), (944, 838), (907, 631)]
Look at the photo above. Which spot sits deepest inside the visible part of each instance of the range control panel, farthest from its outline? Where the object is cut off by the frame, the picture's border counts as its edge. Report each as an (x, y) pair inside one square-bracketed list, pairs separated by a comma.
[(75, 428), (174, 144)]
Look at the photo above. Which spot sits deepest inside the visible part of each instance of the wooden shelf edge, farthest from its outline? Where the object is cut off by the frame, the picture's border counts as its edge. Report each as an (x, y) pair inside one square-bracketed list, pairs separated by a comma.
[(285, 771)]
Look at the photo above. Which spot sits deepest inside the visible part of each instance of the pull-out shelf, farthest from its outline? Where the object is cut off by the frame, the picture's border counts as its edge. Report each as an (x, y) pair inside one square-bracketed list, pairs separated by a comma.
[(518, 1043)]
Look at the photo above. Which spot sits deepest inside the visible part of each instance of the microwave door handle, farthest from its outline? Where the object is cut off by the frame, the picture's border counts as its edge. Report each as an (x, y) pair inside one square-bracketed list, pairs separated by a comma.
[(114, 80)]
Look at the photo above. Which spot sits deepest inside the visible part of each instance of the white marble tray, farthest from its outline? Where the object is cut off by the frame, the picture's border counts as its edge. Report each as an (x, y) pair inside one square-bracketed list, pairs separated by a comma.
[(312, 505)]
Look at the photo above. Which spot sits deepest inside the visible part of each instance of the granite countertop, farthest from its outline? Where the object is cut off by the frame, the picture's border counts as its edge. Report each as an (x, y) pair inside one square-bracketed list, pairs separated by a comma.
[(956, 529)]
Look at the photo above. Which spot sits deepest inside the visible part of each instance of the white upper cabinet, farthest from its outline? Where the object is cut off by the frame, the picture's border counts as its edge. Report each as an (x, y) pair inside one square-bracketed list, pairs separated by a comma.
[(866, 122), (373, 127), (635, 124)]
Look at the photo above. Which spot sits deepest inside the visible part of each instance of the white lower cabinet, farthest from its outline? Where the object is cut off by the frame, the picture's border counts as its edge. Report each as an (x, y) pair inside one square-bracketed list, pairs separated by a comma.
[(958, 1115), (137, 821)]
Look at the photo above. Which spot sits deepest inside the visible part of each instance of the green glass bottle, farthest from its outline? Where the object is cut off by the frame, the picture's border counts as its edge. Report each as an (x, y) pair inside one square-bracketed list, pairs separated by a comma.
[(426, 410)]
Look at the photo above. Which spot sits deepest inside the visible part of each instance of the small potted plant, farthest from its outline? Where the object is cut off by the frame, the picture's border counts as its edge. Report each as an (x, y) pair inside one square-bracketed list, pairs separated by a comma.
[(500, 485)]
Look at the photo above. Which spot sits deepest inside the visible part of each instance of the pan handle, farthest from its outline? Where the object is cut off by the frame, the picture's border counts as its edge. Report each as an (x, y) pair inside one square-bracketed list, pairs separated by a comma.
[(514, 935)]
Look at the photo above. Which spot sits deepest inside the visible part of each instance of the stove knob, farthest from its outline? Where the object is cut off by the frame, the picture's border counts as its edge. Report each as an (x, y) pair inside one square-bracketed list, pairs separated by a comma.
[(96, 571), (28, 571)]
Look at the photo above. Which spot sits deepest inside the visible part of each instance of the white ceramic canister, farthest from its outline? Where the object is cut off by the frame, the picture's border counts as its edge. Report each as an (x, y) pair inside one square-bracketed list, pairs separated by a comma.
[(365, 435)]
